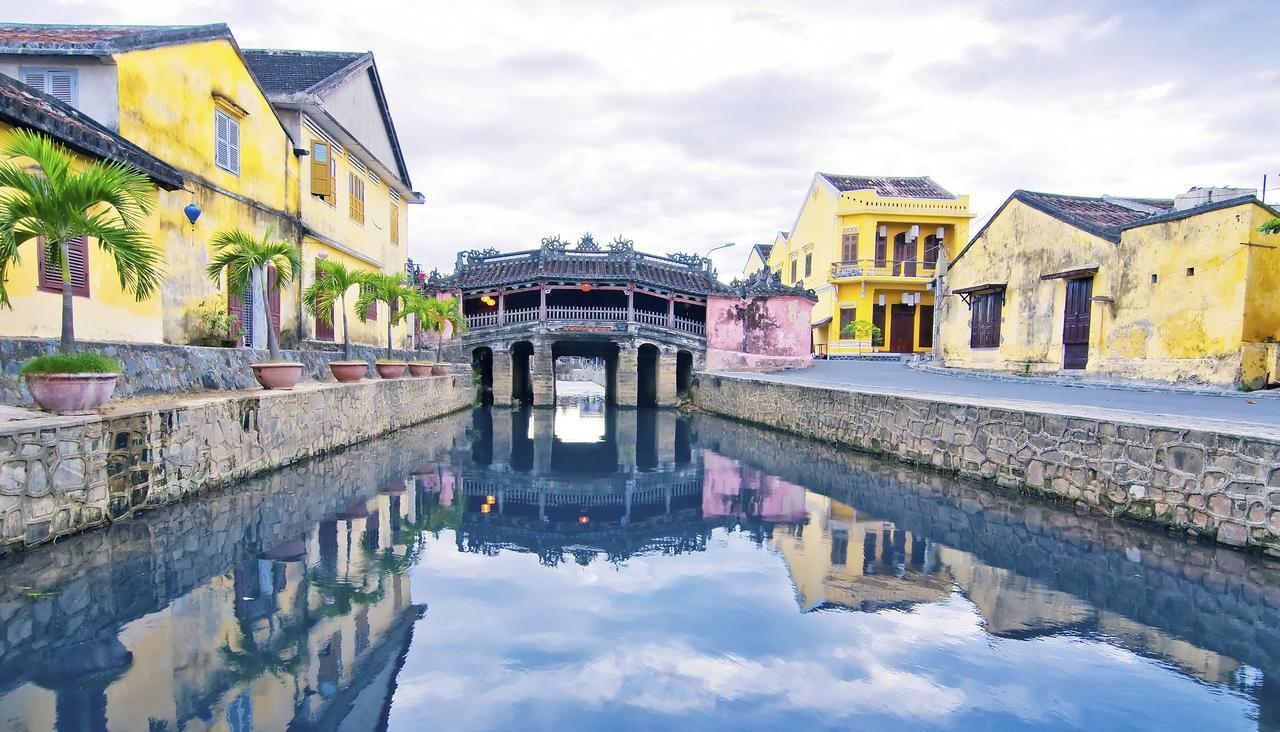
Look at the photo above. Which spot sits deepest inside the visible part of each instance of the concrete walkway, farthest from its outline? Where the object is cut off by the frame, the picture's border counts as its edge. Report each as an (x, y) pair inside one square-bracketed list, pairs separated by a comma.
[(1263, 410)]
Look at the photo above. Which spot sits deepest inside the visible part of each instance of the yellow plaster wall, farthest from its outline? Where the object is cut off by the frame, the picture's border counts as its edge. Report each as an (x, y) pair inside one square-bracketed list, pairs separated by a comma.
[(109, 313), (372, 239), (167, 100), (372, 333), (1262, 295), (1179, 328)]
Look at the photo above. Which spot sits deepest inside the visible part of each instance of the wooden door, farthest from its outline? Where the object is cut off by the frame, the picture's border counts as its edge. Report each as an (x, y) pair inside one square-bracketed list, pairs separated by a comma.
[(1075, 323), (273, 300), (902, 326), (877, 319), (904, 256)]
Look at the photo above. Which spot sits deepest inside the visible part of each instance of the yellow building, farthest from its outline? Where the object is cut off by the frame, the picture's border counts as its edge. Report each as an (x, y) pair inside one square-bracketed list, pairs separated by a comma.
[(758, 258), (1172, 290), (103, 311), (186, 95), (355, 187), (869, 247)]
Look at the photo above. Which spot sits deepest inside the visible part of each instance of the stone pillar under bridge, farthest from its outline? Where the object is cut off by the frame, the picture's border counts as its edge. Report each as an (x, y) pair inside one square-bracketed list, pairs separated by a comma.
[(626, 377), (502, 391), (667, 396), (544, 375)]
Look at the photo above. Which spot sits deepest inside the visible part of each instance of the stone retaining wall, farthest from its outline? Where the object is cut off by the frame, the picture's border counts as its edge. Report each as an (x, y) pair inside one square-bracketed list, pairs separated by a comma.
[(1211, 479), (162, 368), (60, 475)]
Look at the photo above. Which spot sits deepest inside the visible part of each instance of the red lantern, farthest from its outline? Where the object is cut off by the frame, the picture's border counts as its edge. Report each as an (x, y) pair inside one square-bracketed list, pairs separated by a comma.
[(586, 287), (584, 519)]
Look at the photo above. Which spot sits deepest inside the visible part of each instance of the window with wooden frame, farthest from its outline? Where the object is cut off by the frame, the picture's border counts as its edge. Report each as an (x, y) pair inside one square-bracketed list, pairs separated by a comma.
[(371, 312), (808, 264), (795, 263), (355, 186), (848, 316), (50, 273), (61, 84), (984, 320), (932, 249), (849, 247), (395, 223), (882, 248), (323, 185), (226, 142)]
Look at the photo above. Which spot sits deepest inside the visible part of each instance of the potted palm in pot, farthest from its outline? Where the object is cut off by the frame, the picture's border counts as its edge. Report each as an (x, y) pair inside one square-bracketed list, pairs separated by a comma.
[(392, 290), (45, 197), (442, 317), (247, 262), (333, 280)]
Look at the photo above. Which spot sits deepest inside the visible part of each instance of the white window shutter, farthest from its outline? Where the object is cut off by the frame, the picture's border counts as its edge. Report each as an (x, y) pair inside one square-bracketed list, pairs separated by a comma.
[(37, 80), (233, 144), (62, 86)]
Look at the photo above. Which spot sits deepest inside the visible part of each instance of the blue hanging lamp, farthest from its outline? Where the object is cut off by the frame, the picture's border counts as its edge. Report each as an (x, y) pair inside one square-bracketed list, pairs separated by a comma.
[(192, 211)]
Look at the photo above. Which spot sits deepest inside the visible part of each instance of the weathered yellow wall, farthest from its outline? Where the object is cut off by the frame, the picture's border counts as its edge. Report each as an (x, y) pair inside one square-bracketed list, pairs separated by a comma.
[(167, 107), (108, 313), (1262, 296), (1179, 328), (373, 332)]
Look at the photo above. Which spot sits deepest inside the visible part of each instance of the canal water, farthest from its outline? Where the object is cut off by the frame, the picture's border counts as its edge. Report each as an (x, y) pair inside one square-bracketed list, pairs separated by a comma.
[(584, 568)]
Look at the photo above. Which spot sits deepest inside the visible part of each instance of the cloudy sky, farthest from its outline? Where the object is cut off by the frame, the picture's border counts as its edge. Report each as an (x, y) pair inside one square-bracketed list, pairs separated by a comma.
[(687, 124)]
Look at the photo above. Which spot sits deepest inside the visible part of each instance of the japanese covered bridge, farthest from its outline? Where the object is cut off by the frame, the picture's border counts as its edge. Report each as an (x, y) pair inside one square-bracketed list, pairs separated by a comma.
[(646, 316)]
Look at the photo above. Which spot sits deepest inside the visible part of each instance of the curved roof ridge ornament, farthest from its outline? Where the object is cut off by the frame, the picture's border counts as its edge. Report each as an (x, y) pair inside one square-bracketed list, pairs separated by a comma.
[(765, 283)]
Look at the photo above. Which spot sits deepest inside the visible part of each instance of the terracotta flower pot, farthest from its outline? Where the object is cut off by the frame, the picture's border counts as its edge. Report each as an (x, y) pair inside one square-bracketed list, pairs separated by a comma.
[(283, 375), (390, 370), (71, 393), (439, 369), (348, 372)]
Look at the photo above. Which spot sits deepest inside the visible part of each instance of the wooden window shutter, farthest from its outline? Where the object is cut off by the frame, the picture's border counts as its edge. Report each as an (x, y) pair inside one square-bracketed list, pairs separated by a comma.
[(235, 306), (931, 250), (356, 189), (50, 274), (882, 250), (321, 169), (395, 224), (849, 252), (847, 318), (371, 312), (273, 298)]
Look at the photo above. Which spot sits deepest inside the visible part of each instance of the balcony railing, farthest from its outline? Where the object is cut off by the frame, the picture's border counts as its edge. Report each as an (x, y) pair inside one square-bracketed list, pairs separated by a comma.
[(882, 268), (578, 313)]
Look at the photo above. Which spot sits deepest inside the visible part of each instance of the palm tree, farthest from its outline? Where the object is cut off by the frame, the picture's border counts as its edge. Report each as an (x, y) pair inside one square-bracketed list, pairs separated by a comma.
[(331, 285), (240, 255), (387, 288), (52, 200), (1270, 227), (433, 314)]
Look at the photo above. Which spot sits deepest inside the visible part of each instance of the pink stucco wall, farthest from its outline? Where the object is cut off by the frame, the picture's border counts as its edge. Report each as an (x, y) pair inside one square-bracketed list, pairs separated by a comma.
[(758, 332)]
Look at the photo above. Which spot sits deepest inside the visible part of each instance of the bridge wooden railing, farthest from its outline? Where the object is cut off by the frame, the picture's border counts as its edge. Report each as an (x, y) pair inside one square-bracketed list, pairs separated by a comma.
[(582, 313)]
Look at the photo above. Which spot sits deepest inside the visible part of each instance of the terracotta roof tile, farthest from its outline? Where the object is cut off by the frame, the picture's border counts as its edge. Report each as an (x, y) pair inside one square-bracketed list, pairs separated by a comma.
[(100, 40), (889, 186)]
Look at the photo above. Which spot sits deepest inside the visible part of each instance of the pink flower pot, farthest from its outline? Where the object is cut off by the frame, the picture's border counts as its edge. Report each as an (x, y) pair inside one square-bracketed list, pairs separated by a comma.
[(283, 375), (420, 369), (439, 369), (348, 372), (390, 370), (71, 393)]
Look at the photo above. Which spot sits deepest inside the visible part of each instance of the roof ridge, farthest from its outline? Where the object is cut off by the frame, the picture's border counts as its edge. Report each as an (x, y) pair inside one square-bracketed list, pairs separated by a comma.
[(313, 52)]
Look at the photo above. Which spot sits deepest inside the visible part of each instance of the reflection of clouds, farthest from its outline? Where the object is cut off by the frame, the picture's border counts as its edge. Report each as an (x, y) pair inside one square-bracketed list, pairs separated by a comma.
[(714, 639)]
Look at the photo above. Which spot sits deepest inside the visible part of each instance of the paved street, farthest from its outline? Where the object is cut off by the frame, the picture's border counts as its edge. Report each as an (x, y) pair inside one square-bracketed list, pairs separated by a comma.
[(1262, 408)]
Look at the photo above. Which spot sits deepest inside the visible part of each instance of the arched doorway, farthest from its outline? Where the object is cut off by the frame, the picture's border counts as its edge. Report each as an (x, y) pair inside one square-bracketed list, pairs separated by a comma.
[(482, 374), (684, 373), (522, 372), (647, 376)]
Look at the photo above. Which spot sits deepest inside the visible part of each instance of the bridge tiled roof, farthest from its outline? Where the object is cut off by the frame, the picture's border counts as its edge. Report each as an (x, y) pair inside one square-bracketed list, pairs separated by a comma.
[(618, 264)]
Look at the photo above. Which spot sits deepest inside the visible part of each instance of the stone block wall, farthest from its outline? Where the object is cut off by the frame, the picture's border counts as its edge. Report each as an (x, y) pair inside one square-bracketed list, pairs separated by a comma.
[(161, 368), (1194, 475), (60, 475)]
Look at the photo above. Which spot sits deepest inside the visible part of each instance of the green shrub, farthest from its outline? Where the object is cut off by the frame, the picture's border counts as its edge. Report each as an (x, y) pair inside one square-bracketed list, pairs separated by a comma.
[(72, 363)]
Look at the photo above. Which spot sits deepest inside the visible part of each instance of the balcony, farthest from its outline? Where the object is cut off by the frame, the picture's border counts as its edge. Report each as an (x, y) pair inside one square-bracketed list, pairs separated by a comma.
[(584, 314), (907, 269)]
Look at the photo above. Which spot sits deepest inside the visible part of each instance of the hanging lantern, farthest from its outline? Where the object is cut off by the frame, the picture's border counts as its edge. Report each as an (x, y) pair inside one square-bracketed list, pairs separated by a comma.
[(586, 287), (192, 211), (584, 519)]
